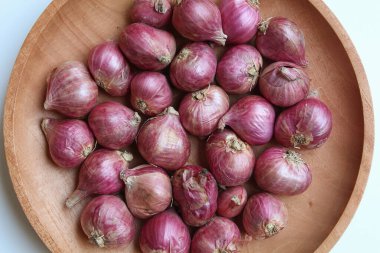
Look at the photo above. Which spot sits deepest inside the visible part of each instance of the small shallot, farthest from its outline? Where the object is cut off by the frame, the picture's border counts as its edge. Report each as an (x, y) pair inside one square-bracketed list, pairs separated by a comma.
[(196, 192), (199, 20), (114, 125), (100, 174), (148, 190), (107, 222), (71, 90), (201, 111), (308, 125), (264, 216), (252, 119), (230, 159), (232, 201), (156, 13)]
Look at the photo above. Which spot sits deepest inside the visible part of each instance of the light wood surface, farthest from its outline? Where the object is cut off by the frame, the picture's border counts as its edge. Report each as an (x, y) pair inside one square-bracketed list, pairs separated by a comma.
[(68, 29)]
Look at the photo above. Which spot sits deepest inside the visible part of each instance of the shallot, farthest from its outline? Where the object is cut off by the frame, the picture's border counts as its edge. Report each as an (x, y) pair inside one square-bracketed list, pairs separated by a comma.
[(156, 13), (232, 201)]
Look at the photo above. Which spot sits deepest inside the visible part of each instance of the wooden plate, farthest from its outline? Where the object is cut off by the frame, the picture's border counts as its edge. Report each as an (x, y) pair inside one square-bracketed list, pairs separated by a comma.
[(68, 29)]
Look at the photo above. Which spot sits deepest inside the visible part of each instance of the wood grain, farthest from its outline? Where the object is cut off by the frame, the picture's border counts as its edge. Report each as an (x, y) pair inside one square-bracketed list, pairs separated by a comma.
[(68, 29)]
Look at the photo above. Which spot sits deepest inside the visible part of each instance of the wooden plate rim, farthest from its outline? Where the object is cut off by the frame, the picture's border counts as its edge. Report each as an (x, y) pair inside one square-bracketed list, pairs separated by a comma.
[(56, 5)]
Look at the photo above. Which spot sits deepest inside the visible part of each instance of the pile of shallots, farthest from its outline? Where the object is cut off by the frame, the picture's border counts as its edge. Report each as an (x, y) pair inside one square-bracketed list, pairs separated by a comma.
[(179, 201)]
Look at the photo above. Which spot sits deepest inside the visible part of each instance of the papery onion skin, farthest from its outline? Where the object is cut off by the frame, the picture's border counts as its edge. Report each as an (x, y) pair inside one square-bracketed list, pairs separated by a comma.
[(107, 222), (156, 13), (150, 93), (69, 141), (231, 160), (196, 192), (307, 125), (238, 70), (147, 47), (165, 232), (100, 174), (264, 216), (199, 20), (231, 201), (280, 39), (163, 141), (240, 19), (284, 84), (282, 171), (110, 69), (71, 90), (252, 119), (114, 125), (219, 235), (194, 67), (148, 190), (201, 111)]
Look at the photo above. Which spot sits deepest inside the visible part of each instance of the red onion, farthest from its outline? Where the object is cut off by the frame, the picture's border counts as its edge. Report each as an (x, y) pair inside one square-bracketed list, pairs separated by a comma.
[(99, 174), (114, 125), (107, 222), (284, 84), (196, 192), (230, 159), (194, 67), (264, 216), (156, 13), (240, 19), (71, 90), (280, 39), (148, 190), (239, 69), (150, 93), (308, 124), (70, 141), (232, 201), (199, 20), (147, 47), (109, 68), (165, 232), (219, 235), (282, 171), (200, 111), (252, 118), (162, 141)]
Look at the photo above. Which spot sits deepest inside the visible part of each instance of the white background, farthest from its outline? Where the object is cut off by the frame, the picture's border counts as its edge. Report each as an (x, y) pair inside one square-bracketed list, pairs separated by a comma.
[(361, 19)]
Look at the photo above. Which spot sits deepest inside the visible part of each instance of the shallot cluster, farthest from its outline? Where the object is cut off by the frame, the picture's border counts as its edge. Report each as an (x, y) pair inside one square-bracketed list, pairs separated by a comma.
[(178, 108)]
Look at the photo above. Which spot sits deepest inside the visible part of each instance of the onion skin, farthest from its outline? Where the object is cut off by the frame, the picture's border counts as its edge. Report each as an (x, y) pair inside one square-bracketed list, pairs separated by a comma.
[(230, 159), (280, 39), (148, 190), (114, 125), (282, 171), (239, 69), (69, 141), (99, 174), (199, 20), (71, 90), (110, 69), (307, 125), (165, 232), (196, 192), (231, 202), (219, 235), (194, 67), (156, 13), (284, 84), (163, 141), (107, 222), (264, 216), (147, 47), (201, 111), (150, 93), (240, 19), (252, 119)]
